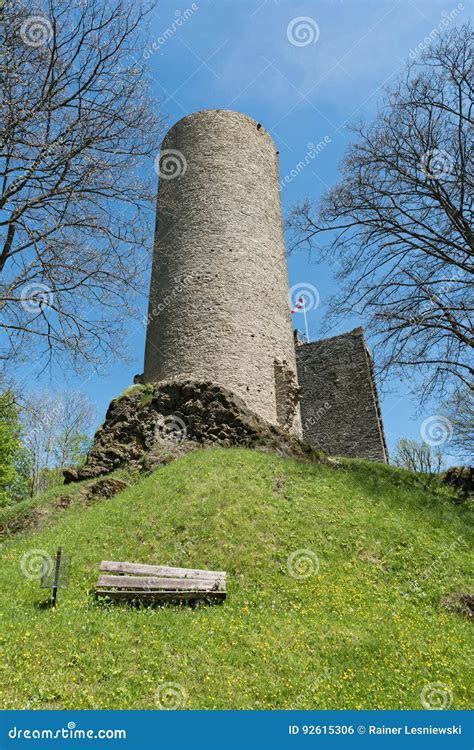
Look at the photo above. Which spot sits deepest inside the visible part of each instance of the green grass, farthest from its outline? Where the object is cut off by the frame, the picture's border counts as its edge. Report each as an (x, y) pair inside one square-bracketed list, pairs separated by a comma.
[(367, 631), (42, 510)]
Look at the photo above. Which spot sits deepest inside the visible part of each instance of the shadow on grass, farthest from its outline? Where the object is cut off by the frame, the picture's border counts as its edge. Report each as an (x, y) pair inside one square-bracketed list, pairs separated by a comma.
[(138, 604), (44, 604)]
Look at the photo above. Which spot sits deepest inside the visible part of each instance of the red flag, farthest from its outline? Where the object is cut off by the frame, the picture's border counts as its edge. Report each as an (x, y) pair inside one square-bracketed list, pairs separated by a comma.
[(298, 306)]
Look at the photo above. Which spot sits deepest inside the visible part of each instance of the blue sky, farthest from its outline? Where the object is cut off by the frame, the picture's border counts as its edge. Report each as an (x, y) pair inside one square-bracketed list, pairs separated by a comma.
[(239, 54)]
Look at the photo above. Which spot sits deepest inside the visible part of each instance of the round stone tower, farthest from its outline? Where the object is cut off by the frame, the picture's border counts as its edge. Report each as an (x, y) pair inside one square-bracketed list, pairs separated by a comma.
[(219, 289)]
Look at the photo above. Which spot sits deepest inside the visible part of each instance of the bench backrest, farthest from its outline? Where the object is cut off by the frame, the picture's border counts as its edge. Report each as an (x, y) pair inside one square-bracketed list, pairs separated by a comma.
[(125, 576)]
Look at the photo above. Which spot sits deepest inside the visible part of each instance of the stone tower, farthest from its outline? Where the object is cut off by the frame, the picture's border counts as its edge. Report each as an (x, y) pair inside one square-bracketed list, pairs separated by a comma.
[(219, 288), (340, 408)]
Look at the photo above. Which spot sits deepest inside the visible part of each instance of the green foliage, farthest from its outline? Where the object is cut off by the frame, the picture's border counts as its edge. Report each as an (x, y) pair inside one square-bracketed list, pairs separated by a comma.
[(21, 487), (367, 631), (460, 412), (76, 451), (418, 456), (9, 447), (55, 435), (146, 389)]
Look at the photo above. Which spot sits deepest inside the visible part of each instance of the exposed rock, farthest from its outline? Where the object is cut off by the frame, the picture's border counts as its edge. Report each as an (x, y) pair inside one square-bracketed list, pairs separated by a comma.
[(102, 489), (105, 488), (462, 604), (64, 501), (152, 425), (166, 451)]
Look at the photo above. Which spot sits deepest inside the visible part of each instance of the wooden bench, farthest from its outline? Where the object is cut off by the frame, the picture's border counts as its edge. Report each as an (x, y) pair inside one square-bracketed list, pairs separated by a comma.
[(133, 581)]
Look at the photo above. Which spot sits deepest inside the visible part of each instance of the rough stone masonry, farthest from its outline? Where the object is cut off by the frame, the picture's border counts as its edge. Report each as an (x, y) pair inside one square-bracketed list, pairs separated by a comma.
[(340, 409), (220, 359), (220, 242)]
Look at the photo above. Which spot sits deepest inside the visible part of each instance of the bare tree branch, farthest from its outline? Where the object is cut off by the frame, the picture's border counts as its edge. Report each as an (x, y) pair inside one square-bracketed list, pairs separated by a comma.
[(78, 134), (400, 221)]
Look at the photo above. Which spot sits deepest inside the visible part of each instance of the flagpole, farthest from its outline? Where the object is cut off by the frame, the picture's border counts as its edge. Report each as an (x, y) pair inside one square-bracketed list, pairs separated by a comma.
[(305, 320)]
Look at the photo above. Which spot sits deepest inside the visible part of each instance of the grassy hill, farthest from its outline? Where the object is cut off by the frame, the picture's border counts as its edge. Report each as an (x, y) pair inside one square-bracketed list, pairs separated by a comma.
[(367, 631)]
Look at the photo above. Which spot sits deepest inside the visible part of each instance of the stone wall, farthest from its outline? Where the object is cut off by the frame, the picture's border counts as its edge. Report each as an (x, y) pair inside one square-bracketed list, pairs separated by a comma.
[(152, 425), (219, 293), (340, 409)]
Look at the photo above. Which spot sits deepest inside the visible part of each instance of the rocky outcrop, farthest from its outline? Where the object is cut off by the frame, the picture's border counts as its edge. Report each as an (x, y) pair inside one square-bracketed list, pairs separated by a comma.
[(461, 603), (102, 489), (150, 425)]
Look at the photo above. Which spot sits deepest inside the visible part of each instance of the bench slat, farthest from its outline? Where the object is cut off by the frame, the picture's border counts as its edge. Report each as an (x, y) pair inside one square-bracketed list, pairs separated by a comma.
[(161, 571), (164, 584), (162, 596)]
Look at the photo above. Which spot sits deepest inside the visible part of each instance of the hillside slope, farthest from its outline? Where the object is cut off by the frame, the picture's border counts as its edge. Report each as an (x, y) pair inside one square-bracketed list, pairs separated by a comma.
[(368, 630)]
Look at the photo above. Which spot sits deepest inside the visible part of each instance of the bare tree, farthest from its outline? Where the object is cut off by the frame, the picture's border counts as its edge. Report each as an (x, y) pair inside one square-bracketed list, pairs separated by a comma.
[(460, 413), (419, 457), (53, 424), (78, 132), (39, 414), (73, 424), (399, 224)]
